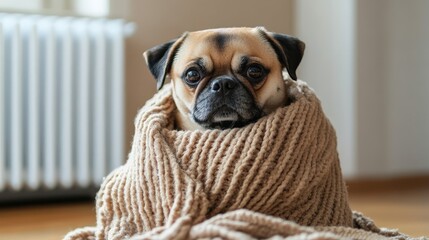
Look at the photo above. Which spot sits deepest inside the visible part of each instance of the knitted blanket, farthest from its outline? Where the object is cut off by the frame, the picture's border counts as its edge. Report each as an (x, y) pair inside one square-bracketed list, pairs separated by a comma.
[(278, 178)]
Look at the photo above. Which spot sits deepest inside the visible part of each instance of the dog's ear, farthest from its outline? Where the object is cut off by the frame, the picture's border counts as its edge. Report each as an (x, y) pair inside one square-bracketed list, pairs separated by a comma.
[(289, 50), (160, 58)]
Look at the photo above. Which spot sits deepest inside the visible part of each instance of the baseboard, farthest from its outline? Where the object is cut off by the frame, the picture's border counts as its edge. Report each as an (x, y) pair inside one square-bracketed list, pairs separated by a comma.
[(9, 197), (400, 183)]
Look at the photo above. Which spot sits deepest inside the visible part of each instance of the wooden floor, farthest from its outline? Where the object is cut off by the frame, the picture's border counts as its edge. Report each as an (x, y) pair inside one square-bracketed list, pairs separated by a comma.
[(407, 210)]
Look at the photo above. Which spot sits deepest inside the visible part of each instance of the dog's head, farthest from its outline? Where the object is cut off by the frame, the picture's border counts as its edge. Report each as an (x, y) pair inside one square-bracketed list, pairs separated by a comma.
[(228, 77)]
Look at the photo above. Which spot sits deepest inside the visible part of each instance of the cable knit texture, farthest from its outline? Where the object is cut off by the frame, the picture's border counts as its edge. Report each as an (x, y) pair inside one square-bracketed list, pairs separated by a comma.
[(278, 178)]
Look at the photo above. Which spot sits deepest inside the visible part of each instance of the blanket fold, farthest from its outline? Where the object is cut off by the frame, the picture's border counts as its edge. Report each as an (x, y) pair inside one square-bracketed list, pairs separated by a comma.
[(278, 178)]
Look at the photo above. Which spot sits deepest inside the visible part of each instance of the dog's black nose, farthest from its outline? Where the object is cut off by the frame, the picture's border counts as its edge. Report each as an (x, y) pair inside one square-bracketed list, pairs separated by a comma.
[(223, 84)]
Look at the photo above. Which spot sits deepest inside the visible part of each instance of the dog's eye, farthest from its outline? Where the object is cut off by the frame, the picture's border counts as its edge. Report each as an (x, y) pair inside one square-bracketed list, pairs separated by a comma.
[(193, 76), (255, 72)]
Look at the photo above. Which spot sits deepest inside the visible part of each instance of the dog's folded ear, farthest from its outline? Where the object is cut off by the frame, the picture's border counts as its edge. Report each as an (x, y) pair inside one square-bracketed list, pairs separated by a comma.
[(289, 49), (160, 58), (293, 48)]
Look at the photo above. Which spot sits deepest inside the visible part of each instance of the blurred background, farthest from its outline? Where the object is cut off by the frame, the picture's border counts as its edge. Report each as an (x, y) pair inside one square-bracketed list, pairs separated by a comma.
[(367, 61)]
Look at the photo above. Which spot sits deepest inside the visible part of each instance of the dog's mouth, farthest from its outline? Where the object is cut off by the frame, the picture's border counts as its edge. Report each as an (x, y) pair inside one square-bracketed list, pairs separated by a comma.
[(225, 117), (224, 114)]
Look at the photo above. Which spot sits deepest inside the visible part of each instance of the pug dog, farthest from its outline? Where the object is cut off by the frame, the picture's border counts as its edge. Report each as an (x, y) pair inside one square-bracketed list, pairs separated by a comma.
[(227, 77)]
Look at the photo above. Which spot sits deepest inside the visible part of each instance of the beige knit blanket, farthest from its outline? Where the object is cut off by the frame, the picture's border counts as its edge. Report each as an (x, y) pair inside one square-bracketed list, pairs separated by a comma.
[(278, 178)]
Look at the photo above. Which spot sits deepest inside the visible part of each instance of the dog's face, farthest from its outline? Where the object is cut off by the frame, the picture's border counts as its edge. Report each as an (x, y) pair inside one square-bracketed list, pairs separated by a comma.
[(224, 78)]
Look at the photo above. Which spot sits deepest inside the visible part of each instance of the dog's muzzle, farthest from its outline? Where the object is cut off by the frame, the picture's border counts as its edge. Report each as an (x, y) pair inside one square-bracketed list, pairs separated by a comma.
[(225, 103)]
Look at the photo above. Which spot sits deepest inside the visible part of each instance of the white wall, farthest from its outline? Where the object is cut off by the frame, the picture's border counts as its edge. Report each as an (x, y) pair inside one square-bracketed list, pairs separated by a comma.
[(327, 28), (392, 87), (407, 81), (22, 5), (371, 90), (369, 62)]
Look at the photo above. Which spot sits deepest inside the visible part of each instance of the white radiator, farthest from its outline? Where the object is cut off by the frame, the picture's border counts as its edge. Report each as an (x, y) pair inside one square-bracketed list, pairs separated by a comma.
[(61, 101)]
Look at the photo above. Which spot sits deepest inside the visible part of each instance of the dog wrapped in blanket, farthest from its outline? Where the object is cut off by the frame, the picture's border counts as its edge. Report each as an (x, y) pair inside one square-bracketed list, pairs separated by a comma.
[(234, 148)]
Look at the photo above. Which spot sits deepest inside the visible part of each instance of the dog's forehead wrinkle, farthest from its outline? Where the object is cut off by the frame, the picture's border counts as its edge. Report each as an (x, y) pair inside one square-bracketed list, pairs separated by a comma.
[(221, 39)]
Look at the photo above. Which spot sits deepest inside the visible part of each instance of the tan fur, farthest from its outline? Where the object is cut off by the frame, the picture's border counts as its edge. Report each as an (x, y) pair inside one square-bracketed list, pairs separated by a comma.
[(269, 95)]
